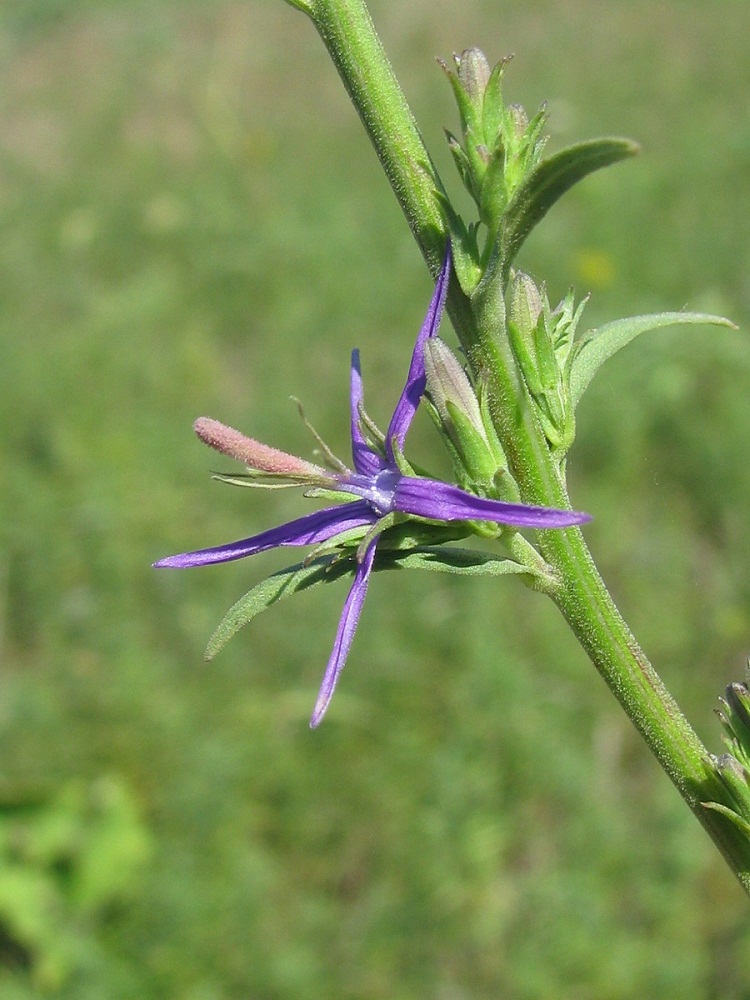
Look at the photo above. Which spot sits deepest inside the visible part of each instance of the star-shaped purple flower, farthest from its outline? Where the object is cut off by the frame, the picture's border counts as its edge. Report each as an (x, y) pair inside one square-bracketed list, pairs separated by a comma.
[(384, 494)]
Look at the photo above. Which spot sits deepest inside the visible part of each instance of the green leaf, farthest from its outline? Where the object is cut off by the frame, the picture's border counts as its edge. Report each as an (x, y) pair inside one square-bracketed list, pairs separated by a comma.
[(276, 588), (593, 349), (465, 562), (549, 181), (327, 569)]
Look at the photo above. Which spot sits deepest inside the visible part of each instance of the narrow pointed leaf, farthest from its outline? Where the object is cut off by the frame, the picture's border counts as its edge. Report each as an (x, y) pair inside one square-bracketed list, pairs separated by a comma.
[(596, 346), (327, 569), (465, 562), (549, 181), (278, 587)]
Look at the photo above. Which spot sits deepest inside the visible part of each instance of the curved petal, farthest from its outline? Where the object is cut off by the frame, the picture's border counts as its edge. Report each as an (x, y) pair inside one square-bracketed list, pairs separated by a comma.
[(366, 461), (408, 401), (344, 634), (312, 529), (443, 502)]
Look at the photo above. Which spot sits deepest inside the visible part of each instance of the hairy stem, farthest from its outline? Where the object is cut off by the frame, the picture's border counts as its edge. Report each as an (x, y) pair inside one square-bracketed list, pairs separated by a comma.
[(348, 33)]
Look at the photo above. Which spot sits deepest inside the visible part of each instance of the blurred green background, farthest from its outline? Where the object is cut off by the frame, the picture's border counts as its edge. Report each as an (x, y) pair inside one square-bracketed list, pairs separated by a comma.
[(193, 223)]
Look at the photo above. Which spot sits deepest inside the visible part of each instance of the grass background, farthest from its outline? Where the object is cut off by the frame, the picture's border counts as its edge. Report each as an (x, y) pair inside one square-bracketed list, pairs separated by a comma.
[(193, 222)]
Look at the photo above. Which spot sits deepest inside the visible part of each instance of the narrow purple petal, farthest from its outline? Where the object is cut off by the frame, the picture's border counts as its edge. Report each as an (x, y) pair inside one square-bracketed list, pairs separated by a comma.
[(344, 634), (408, 401), (312, 529), (444, 502), (366, 461)]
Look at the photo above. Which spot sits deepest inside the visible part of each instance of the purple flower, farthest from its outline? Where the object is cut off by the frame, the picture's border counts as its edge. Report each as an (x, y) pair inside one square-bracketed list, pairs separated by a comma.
[(384, 493)]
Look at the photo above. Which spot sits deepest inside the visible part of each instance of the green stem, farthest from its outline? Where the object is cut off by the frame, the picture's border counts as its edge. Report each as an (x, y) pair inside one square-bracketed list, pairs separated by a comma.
[(348, 33)]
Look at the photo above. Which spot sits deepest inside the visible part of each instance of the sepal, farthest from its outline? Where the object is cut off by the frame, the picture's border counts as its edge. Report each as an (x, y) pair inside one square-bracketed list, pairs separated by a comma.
[(467, 262)]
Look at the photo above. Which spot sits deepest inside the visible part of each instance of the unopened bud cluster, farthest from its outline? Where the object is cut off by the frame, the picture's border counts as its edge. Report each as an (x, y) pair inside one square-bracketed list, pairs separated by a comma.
[(735, 717), (500, 144), (734, 768)]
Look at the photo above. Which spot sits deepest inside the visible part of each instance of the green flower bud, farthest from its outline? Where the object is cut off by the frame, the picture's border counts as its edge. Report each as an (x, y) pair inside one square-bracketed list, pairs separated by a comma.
[(476, 450), (736, 782), (735, 717), (525, 304), (473, 73), (448, 382), (532, 330)]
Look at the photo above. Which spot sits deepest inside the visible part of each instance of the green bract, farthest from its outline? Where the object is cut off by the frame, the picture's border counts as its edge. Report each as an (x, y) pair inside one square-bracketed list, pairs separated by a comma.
[(548, 181), (541, 339)]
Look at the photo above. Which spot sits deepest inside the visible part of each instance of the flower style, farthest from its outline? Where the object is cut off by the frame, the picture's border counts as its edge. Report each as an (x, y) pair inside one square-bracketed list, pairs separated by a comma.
[(383, 484)]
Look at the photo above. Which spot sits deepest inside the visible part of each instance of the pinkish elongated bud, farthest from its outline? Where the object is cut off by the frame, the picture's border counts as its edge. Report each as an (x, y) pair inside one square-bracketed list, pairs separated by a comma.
[(473, 73), (253, 454), (447, 382)]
